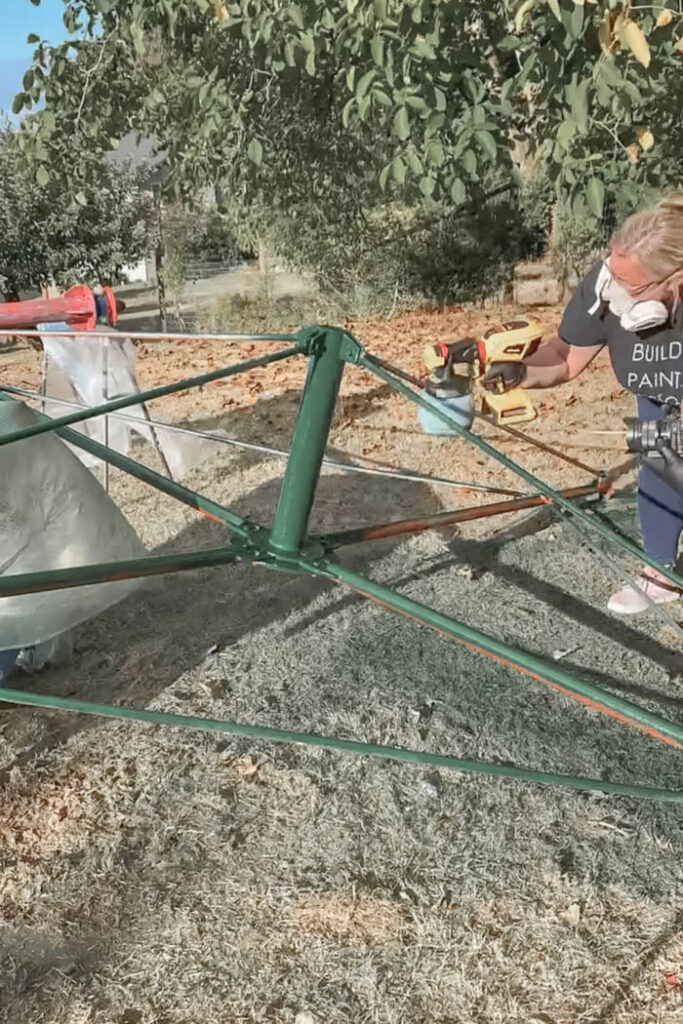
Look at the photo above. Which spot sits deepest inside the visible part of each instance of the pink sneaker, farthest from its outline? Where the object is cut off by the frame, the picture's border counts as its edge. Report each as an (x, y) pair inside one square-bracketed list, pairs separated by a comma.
[(629, 601)]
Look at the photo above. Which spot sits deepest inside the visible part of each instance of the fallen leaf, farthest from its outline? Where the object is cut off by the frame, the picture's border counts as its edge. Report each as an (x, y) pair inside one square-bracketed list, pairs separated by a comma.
[(571, 916), (664, 18), (632, 35), (646, 139), (633, 153)]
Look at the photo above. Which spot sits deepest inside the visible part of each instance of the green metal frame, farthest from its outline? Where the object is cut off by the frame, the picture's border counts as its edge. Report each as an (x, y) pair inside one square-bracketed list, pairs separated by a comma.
[(288, 547)]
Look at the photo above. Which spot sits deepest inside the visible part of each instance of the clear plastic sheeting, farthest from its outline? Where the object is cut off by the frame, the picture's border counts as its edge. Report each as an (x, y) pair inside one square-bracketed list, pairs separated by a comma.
[(54, 514), (89, 370)]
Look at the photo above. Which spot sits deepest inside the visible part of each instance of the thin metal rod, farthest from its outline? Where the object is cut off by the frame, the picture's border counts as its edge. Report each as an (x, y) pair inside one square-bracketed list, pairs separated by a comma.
[(281, 453), (418, 383), (539, 444), (43, 380), (523, 661), (156, 441), (105, 395), (438, 519), (145, 396), (534, 481), (147, 336), (261, 732), (110, 572)]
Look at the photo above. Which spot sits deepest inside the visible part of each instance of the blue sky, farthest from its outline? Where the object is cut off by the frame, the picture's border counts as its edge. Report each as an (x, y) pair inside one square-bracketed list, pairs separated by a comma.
[(17, 19)]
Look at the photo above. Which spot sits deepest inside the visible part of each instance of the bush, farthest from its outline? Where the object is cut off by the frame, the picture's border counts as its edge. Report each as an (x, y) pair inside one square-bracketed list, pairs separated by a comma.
[(392, 257)]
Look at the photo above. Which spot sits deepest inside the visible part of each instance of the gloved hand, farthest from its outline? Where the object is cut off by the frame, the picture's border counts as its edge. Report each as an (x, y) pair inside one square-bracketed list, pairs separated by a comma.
[(667, 465), (510, 375)]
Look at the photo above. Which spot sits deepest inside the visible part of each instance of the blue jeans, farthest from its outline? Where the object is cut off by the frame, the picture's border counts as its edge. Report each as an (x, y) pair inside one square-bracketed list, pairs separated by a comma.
[(659, 506)]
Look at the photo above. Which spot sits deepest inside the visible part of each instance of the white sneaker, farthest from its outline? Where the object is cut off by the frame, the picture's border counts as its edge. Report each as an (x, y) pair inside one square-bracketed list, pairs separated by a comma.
[(629, 601)]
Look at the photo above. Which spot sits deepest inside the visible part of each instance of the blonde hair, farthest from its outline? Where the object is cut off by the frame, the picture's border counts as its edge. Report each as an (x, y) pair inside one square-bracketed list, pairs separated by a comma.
[(655, 238)]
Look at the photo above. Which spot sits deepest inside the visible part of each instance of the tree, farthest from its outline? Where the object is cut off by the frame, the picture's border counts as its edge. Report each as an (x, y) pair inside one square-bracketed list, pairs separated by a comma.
[(48, 236), (336, 100)]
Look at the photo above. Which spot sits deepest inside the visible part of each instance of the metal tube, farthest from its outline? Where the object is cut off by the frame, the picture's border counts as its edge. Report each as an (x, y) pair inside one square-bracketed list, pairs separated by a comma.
[(534, 481), (146, 396), (152, 336), (525, 662), (109, 572), (461, 515), (308, 441), (105, 396), (261, 732), (387, 471)]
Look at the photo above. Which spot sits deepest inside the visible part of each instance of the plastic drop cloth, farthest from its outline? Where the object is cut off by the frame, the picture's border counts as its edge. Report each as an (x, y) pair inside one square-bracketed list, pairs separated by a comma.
[(85, 368), (54, 514)]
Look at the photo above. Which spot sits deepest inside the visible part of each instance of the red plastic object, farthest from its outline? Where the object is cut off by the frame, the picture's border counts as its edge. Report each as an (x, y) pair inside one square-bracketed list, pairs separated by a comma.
[(112, 315), (76, 307)]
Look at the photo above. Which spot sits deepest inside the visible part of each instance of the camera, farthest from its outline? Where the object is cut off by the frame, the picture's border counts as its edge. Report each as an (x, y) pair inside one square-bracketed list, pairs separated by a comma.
[(647, 435)]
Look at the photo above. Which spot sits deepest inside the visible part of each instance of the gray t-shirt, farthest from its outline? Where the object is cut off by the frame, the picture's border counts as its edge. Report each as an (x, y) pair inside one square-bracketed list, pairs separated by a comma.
[(648, 363)]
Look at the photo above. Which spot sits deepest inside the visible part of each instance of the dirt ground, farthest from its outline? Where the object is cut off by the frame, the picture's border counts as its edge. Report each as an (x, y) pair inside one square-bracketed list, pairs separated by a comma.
[(155, 876)]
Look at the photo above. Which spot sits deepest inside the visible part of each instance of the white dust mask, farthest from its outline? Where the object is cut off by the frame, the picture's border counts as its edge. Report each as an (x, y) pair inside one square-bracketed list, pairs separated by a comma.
[(634, 315)]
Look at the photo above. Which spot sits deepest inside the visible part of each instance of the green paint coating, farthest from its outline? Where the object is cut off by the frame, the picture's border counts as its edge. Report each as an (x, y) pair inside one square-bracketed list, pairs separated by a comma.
[(309, 440), (332, 743)]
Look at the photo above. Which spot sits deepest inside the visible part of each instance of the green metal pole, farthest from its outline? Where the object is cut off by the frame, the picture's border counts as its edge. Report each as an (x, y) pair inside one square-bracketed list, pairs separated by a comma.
[(524, 661), (309, 440), (108, 572), (146, 396), (623, 542), (166, 718)]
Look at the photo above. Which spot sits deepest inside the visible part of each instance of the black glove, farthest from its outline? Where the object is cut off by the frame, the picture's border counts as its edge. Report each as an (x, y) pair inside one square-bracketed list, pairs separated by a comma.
[(504, 376), (667, 465)]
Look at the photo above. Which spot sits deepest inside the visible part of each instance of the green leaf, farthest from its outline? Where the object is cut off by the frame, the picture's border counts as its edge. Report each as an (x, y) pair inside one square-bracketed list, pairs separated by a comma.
[(382, 98), (381, 10), (398, 170), (377, 50), (414, 161), (18, 103), (427, 186), (417, 103), (350, 78), (580, 106), (595, 196), (469, 162), (458, 191), (346, 112), (509, 43), (42, 176), (48, 120), (310, 63), (32, 38), (566, 132), (401, 124), (138, 37), (384, 174), (576, 21), (255, 151), (81, 199), (555, 8), (294, 11), (364, 83), (487, 143), (434, 152), (439, 98)]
